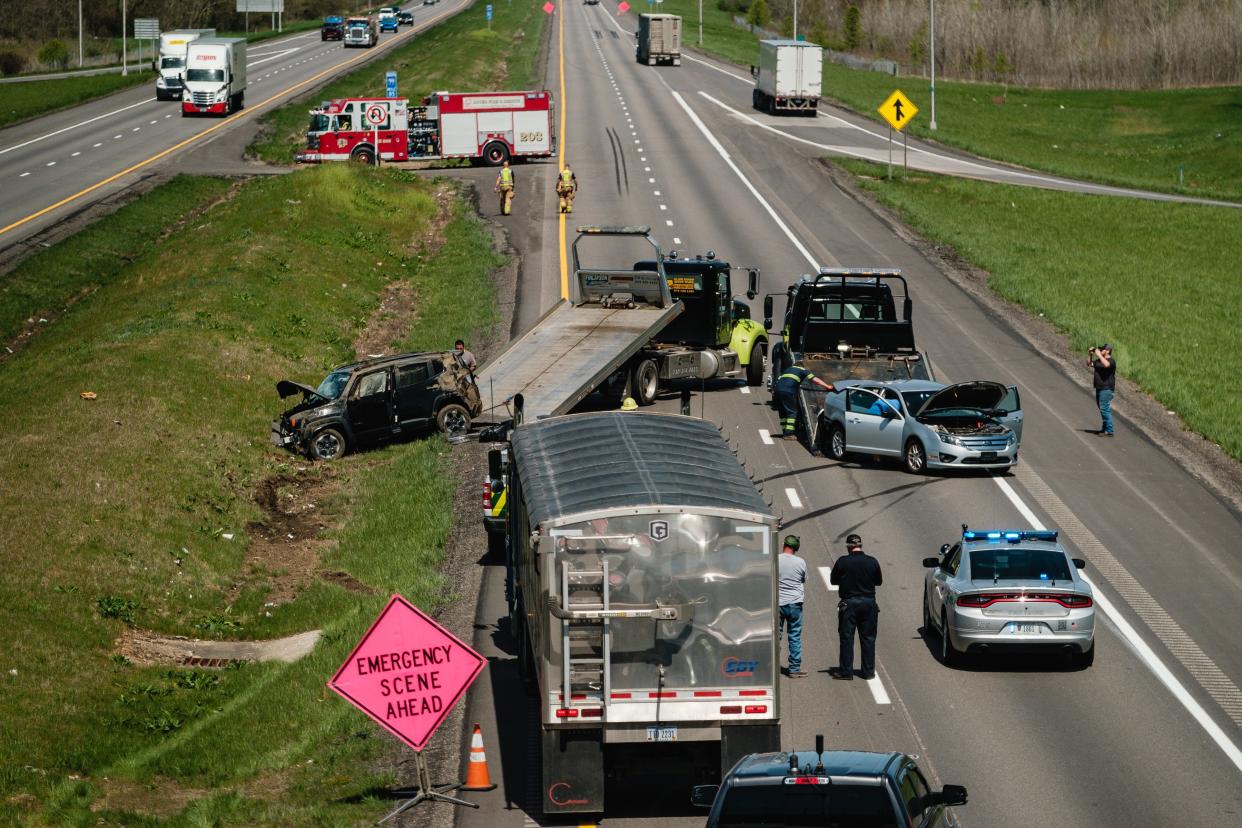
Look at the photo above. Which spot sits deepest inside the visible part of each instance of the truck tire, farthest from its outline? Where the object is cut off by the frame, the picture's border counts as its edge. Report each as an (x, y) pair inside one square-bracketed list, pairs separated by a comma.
[(646, 381), (915, 457), (453, 420), (756, 99), (495, 154), (328, 444), (363, 155), (754, 369)]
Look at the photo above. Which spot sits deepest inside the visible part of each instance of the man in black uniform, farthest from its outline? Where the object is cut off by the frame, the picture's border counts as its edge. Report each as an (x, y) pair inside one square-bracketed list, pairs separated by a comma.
[(856, 575)]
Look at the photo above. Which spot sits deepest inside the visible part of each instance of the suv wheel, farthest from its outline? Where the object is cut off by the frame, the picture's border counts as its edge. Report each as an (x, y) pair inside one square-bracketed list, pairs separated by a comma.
[(328, 444), (453, 419), (916, 459)]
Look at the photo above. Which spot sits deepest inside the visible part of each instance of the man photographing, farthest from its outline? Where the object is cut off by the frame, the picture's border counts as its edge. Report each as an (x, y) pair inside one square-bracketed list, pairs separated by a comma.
[(1105, 383)]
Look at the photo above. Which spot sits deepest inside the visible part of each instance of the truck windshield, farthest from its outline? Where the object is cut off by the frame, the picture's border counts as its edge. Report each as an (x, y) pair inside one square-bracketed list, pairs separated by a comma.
[(205, 75), (719, 574), (333, 385), (837, 805), (318, 122), (172, 63)]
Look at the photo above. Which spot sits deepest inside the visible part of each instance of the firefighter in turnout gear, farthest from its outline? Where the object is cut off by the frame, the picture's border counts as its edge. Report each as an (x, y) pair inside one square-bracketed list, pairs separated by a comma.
[(786, 392), (504, 186), (566, 189)]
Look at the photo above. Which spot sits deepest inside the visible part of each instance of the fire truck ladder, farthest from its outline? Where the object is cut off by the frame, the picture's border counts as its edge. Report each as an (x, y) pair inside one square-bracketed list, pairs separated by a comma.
[(586, 634)]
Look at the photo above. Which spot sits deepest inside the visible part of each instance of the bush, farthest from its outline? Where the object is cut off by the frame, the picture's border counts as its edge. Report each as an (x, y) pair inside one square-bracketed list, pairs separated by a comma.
[(821, 35), (918, 45), (11, 62), (54, 53), (852, 27), (759, 15)]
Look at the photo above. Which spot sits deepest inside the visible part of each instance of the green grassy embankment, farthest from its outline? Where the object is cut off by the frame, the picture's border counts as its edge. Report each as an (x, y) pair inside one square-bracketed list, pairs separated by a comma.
[(127, 499), (460, 54), (30, 99), (1158, 281), (1128, 138)]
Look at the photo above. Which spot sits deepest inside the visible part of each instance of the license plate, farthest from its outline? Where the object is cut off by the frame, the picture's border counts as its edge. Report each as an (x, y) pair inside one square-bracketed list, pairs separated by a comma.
[(987, 455), (661, 734), (1025, 629)]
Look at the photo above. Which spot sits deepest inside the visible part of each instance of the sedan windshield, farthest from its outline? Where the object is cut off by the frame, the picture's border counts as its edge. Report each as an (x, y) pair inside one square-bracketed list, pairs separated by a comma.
[(205, 75), (1019, 565), (333, 385), (823, 806)]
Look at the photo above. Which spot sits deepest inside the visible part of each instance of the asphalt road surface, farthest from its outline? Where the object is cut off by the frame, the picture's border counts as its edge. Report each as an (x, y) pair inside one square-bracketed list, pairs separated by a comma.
[(53, 166), (1147, 736)]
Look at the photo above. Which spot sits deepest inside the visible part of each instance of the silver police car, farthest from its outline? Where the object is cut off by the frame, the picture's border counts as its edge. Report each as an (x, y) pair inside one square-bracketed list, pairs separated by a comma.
[(929, 425), (999, 589)]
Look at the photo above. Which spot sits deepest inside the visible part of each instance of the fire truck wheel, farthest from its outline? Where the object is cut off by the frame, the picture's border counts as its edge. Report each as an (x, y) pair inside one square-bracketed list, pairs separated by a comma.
[(363, 155), (754, 369), (495, 154), (646, 381), (328, 444), (453, 419)]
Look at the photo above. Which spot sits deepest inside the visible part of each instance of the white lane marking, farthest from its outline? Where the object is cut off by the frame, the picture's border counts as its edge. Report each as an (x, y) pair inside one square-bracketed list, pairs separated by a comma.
[(76, 154), (643, 159), (657, 192), (794, 500), (648, 169), (825, 572), (135, 129), (765, 437), (75, 126), (669, 222), (718, 69), (745, 389), (97, 146), (650, 180), (156, 121), (720, 150), (23, 175), (51, 163), (877, 690), (1142, 650), (663, 206), (114, 137), (166, 117), (676, 240)]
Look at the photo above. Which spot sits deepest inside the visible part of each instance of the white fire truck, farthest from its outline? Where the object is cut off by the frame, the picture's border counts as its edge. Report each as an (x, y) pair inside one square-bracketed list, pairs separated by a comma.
[(492, 126)]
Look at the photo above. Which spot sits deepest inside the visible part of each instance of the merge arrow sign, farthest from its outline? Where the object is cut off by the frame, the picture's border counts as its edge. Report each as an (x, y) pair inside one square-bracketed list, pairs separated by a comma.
[(898, 110)]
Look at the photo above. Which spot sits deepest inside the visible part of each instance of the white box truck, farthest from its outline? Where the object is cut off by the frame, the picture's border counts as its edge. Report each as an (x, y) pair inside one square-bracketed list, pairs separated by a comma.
[(789, 77), (659, 39), (170, 65), (215, 76)]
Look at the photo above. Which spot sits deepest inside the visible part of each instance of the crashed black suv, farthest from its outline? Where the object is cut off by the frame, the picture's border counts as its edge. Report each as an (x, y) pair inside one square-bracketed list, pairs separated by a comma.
[(377, 400)]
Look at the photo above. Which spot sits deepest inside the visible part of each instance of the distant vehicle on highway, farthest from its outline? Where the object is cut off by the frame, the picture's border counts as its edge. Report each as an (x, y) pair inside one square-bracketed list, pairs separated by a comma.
[(388, 20), (929, 425), (333, 28), (361, 31), (845, 788), (405, 18), (430, 2), (215, 76), (171, 62), (375, 401), (1009, 590)]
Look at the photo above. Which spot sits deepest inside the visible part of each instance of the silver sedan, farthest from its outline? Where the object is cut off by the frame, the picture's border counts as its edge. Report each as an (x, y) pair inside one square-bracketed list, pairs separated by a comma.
[(927, 424), (1008, 589)]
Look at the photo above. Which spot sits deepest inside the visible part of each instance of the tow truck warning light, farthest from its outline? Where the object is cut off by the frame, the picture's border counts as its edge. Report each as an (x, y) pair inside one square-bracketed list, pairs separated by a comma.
[(1010, 535), (807, 780)]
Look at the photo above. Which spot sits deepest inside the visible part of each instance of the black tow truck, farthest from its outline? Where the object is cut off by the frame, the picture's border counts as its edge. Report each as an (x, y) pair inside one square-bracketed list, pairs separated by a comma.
[(843, 323)]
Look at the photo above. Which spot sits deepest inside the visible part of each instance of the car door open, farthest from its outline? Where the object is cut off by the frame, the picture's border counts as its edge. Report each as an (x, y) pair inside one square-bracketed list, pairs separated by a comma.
[(370, 403)]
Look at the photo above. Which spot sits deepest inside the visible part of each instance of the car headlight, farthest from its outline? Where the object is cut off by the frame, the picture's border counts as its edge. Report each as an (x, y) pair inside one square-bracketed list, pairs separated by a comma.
[(949, 438), (1013, 438)]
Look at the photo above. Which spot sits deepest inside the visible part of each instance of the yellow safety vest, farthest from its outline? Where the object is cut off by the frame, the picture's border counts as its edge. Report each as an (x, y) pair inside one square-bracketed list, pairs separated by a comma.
[(506, 178), (567, 176)]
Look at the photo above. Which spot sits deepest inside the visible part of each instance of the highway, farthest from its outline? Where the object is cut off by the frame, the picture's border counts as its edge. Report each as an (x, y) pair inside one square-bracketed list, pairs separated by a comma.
[(1147, 736), (53, 166)]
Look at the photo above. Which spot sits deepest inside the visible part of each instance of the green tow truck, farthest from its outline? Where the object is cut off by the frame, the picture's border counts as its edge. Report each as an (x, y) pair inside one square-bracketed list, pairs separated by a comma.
[(714, 336)]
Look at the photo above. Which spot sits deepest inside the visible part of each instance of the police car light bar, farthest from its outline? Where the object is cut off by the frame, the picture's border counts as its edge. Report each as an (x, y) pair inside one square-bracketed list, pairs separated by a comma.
[(1009, 535)]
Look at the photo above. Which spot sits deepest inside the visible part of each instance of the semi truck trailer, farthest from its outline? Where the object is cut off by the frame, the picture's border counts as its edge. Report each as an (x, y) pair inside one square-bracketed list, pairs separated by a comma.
[(659, 39), (789, 77), (170, 65), (215, 76)]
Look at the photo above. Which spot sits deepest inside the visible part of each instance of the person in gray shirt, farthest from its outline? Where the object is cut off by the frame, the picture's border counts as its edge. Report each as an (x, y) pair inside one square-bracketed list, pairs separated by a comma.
[(791, 588)]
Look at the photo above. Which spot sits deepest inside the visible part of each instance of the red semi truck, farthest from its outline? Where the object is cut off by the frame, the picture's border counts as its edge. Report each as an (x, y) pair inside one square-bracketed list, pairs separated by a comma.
[(491, 126)]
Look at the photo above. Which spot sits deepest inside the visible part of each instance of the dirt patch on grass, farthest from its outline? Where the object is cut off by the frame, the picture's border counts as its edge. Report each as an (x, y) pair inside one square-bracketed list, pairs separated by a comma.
[(161, 797), (398, 307), (286, 546), (146, 649), (347, 582), (203, 209)]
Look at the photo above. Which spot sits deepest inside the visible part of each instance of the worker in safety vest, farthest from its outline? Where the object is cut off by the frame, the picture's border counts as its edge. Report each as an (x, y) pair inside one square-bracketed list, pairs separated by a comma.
[(785, 390), (566, 189), (504, 186)]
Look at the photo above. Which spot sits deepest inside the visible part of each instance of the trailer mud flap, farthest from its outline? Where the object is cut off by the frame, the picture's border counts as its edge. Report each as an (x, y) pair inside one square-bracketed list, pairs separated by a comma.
[(573, 772), (810, 403), (737, 741)]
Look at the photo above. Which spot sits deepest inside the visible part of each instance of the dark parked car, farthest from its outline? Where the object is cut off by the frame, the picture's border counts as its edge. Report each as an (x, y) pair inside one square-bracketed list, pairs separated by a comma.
[(333, 28), (405, 18), (845, 788), (377, 400)]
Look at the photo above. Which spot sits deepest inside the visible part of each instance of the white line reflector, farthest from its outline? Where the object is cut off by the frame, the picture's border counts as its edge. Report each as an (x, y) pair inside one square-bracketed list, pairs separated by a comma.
[(765, 437), (825, 572), (794, 500)]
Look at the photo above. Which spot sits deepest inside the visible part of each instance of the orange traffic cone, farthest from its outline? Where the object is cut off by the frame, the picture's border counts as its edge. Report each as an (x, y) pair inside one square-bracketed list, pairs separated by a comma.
[(477, 777)]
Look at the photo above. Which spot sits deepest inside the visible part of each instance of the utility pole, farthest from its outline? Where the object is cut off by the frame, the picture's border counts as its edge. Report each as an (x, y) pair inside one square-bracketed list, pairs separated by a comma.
[(700, 22), (795, 25), (124, 43), (79, 34), (931, 36)]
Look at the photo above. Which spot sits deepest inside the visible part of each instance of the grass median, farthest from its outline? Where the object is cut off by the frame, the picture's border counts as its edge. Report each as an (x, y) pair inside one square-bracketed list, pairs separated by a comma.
[(1166, 300), (461, 54), (1187, 141), (30, 99), (139, 508)]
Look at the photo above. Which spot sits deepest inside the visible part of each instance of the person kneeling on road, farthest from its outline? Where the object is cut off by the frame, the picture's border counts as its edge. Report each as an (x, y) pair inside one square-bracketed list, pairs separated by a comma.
[(791, 589), (785, 390)]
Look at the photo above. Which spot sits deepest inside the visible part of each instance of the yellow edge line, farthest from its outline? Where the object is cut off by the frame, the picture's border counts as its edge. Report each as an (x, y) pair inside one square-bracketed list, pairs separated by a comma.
[(200, 135), (560, 145)]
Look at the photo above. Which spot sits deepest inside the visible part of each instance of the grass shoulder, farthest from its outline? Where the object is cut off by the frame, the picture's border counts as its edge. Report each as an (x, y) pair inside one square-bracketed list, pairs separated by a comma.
[(30, 99), (140, 508), (1166, 301)]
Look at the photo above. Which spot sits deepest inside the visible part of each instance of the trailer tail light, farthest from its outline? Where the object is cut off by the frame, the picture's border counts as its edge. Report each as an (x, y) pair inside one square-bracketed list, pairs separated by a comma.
[(729, 709), (566, 713), (487, 495), (752, 692), (662, 695), (622, 695), (707, 694), (756, 708), (593, 711)]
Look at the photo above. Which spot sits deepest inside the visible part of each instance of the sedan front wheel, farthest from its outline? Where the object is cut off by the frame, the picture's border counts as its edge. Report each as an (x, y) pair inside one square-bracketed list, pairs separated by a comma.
[(915, 457)]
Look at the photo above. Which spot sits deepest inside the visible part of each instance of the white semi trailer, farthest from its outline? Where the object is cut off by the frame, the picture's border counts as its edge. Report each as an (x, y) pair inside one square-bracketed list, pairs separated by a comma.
[(215, 76), (789, 77), (170, 65)]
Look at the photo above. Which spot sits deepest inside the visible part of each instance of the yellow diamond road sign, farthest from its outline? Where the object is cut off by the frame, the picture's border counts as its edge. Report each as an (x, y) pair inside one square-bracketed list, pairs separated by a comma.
[(898, 110)]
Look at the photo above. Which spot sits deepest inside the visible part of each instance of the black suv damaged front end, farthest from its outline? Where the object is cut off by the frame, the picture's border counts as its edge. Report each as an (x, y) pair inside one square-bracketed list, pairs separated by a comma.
[(315, 412)]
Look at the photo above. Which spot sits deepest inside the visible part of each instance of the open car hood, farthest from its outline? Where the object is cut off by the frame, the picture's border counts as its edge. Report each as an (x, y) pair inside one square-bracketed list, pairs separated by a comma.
[(287, 388), (977, 394)]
